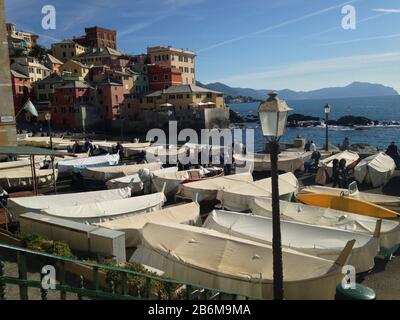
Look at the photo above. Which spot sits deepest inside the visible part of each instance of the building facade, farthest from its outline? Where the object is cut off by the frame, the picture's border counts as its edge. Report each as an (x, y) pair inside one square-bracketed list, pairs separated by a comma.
[(161, 77), (20, 41), (44, 89), (110, 96), (32, 67), (66, 50), (99, 56), (74, 70), (52, 63), (98, 37), (21, 89), (183, 60)]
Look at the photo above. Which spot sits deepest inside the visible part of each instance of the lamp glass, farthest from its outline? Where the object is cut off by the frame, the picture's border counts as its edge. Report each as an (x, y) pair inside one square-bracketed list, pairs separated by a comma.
[(327, 108), (273, 124)]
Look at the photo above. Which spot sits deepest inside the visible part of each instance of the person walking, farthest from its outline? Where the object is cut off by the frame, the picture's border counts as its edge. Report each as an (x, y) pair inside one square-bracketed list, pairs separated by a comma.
[(335, 173), (313, 146), (393, 152)]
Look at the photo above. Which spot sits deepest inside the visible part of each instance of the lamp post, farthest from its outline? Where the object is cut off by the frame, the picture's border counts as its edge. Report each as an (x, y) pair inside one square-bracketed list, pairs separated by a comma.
[(273, 118), (48, 119), (327, 110)]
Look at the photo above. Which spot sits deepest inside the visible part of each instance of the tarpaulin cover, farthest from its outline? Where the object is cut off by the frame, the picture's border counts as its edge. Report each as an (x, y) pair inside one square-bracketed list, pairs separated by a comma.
[(351, 158), (376, 169), (68, 166)]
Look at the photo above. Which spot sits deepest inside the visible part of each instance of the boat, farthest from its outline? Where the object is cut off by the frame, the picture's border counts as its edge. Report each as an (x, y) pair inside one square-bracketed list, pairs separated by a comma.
[(171, 181), (24, 163), (215, 260), (389, 239), (375, 170), (19, 179), (167, 154), (130, 149), (320, 241), (351, 158), (133, 225), (239, 198), (134, 180), (69, 166), (389, 202), (18, 206), (207, 190), (103, 174), (287, 161), (96, 212), (344, 203)]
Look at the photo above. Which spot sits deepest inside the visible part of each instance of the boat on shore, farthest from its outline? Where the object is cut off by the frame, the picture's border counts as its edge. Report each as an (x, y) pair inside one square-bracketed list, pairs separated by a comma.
[(69, 166), (320, 241), (351, 158), (375, 170), (20, 179), (347, 204), (239, 198), (231, 264), (389, 239), (389, 202)]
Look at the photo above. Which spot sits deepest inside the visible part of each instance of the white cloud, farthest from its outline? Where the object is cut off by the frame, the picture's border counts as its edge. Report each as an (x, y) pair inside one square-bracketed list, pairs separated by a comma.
[(387, 10)]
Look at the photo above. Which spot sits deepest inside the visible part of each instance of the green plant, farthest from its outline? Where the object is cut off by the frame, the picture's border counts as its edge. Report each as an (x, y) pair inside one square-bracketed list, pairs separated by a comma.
[(60, 249)]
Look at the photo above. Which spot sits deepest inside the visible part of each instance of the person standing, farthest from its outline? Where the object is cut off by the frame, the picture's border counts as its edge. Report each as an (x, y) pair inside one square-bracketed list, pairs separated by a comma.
[(393, 152), (346, 144), (342, 174), (313, 147), (120, 150), (335, 173), (307, 146)]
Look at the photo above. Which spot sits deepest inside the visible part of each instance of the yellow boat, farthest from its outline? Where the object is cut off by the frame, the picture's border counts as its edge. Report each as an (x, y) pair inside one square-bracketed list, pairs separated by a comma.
[(344, 203)]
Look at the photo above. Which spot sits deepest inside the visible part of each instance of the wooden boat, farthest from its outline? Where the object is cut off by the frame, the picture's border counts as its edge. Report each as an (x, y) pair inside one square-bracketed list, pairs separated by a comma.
[(133, 226), (347, 204), (171, 181), (389, 202), (239, 198), (19, 179), (320, 241), (390, 230), (231, 264), (18, 206), (69, 166), (287, 161), (108, 210)]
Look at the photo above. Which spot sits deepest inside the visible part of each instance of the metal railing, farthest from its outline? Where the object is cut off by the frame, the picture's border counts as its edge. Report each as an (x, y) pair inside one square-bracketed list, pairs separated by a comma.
[(102, 281)]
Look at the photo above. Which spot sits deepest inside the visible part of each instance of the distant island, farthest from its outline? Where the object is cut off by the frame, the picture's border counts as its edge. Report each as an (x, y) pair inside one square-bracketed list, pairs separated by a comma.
[(353, 90)]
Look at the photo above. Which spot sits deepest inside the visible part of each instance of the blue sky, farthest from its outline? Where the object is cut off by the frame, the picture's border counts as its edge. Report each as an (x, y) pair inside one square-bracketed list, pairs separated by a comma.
[(296, 44)]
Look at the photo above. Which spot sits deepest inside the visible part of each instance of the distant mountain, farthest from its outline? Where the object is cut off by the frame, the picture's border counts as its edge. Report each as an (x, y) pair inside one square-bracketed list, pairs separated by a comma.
[(355, 89)]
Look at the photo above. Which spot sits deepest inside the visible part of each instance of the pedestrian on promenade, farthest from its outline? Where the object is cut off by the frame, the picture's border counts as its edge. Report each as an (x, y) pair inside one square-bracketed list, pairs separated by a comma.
[(346, 144), (307, 146), (343, 174), (393, 152), (335, 173), (313, 146)]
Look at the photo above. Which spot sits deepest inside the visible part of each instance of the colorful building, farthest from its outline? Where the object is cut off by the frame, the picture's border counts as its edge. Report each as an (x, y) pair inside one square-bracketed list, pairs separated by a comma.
[(74, 70), (161, 77), (52, 63), (44, 89), (30, 66), (110, 97), (99, 56), (98, 37), (21, 89), (20, 41), (183, 60), (140, 78), (66, 50)]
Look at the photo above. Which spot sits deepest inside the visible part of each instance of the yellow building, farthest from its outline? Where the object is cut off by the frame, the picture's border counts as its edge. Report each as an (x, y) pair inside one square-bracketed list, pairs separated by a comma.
[(32, 67), (183, 60), (43, 89), (66, 50), (99, 56), (74, 70)]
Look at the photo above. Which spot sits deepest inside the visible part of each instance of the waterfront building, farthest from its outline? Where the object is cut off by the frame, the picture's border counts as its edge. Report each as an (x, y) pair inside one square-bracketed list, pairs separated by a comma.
[(183, 60), (74, 70), (99, 56), (44, 89), (162, 77), (21, 89), (66, 50), (20, 42), (30, 66), (110, 97), (98, 37), (102, 73), (139, 72), (52, 63)]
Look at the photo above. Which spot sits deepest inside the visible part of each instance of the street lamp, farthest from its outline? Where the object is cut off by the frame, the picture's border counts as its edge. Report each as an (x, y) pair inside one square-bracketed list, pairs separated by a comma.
[(327, 110), (48, 119), (273, 115)]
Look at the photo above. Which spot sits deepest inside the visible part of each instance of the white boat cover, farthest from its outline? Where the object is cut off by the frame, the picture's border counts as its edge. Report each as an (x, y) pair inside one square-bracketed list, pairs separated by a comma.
[(390, 202), (21, 178), (287, 161), (390, 230), (68, 166), (133, 225), (208, 258), (39, 141), (164, 153), (208, 189), (172, 180), (323, 242), (134, 180), (240, 197), (375, 170), (350, 156), (15, 164), (129, 148), (114, 172), (109, 210), (18, 206)]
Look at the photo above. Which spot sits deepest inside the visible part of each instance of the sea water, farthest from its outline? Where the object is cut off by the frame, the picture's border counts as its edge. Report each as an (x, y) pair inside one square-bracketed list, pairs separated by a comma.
[(374, 108)]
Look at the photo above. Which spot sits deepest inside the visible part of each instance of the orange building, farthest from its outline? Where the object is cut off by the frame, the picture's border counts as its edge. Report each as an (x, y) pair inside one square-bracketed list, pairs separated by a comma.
[(161, 77)]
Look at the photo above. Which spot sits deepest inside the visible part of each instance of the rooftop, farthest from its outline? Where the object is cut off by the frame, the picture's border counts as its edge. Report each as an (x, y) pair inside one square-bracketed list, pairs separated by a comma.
[(54, 77), (100, 52), (75, 85), (18, 74), (53, 59), (185, 88), (169, 48)]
